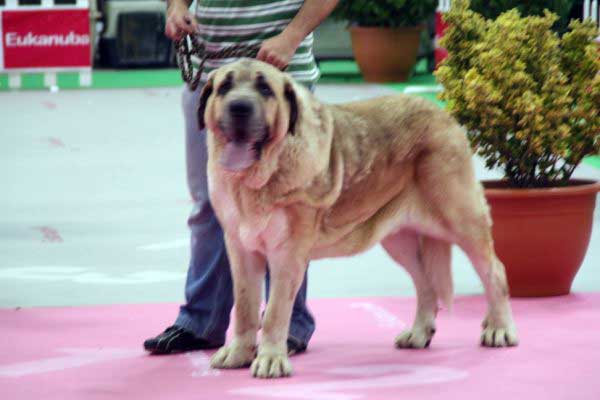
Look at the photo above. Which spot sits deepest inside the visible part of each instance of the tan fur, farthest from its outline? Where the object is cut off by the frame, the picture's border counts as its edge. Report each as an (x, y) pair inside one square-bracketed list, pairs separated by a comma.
[(395, 170)]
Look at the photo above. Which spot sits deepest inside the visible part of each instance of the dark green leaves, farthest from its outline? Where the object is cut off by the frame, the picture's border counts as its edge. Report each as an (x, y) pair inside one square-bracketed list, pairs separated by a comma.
[(385, 13)]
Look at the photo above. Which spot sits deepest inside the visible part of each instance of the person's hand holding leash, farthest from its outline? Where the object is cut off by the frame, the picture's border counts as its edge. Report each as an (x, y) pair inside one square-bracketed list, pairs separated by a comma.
[(278, 50), (179, 20)]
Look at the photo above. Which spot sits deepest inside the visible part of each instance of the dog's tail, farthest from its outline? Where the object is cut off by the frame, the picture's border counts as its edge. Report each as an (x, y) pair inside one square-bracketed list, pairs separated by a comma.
[(437, 266)]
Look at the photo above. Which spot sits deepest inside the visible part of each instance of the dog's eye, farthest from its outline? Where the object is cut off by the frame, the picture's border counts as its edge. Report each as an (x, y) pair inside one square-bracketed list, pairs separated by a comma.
[(224, 87), (263, 88)]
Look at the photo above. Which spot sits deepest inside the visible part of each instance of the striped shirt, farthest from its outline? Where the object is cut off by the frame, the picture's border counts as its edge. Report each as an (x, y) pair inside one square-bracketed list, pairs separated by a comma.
[(227, 22)]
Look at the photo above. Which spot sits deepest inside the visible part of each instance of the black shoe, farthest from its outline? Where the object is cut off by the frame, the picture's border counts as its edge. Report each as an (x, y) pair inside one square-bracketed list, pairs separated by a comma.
[(177, 340), (295, 347)]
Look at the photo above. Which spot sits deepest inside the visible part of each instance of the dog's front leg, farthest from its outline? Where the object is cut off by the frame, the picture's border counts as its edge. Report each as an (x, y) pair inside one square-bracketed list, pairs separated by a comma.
[(248, 271), (286, 272)]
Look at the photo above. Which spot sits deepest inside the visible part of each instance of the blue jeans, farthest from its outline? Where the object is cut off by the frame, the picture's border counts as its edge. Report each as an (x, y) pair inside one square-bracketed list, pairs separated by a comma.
[(209, 288)]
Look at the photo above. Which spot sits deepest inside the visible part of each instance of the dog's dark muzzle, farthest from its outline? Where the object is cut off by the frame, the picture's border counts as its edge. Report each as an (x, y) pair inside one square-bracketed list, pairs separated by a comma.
[(241, 109), (241, 120), (244, 129)]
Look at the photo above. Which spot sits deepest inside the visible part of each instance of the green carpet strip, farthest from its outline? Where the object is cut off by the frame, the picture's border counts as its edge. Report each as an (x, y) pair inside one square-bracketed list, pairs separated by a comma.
[(331, 72)]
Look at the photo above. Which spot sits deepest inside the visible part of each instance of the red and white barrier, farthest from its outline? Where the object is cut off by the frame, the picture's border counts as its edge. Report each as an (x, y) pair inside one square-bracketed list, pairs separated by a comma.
[(439, 52), (47, 38)]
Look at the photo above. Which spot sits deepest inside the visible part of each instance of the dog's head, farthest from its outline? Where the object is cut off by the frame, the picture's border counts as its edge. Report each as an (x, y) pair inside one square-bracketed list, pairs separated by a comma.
[(250, 107)]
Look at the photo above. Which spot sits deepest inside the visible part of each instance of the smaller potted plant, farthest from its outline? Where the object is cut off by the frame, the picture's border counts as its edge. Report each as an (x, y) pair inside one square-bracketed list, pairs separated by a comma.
[(385, 35), (530, 101)]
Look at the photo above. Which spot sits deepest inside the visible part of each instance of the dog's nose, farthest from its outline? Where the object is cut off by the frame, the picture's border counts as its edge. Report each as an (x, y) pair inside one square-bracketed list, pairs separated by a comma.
[(240, 108)]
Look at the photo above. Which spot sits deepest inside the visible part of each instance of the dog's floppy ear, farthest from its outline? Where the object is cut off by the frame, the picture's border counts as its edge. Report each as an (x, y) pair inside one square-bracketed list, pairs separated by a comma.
[(204, 95), (290, 96)]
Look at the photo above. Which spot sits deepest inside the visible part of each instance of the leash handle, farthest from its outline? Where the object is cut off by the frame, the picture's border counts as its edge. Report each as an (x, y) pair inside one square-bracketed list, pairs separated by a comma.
[(184, 60), (184, 57)]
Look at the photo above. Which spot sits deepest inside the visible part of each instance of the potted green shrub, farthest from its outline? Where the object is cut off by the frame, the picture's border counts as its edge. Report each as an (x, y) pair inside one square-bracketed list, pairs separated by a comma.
[(385, 35), (529, 100)]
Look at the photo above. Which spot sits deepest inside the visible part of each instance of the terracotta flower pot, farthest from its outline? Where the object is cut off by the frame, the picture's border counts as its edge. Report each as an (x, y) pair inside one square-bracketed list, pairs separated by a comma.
[(541, 235), (385, 54)]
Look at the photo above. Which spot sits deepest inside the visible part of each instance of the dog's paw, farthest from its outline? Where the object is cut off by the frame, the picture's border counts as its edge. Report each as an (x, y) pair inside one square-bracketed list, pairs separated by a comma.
[(271, 366), (233, 356), (415, 338), (498, 334)]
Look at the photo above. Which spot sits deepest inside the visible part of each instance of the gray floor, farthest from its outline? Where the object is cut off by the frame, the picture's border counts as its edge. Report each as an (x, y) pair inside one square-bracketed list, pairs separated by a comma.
[(93, 204)]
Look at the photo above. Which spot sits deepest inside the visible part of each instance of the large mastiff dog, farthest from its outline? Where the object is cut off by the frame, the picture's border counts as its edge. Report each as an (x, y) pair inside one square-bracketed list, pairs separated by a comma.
[(292, 179)]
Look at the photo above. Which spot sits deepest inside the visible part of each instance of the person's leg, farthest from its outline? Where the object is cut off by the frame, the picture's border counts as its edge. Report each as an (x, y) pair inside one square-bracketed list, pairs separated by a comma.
[(204, 318), (208, 288)]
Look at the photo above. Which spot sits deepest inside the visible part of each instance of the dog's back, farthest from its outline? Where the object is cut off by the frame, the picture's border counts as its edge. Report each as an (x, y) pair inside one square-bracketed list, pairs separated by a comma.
[(380, 142)]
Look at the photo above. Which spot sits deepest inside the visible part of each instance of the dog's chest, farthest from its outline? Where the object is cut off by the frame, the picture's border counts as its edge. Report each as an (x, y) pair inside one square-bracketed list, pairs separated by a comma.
[(259, 230)]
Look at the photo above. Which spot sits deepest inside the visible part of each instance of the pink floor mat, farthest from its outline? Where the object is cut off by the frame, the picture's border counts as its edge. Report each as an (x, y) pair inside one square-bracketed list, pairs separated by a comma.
[(95, 353)]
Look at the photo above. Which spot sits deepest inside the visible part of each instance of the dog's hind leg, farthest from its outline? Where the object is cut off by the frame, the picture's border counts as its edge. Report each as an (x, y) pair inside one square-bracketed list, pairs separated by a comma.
[(474, 236), (447, 184), (248, 272), (411, 250), (469, 224), (437, 260), (498, 327)]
